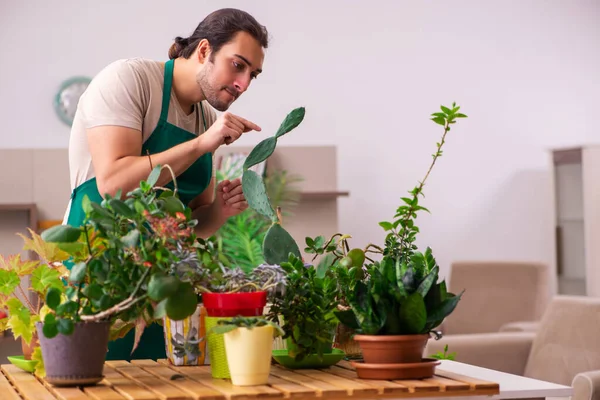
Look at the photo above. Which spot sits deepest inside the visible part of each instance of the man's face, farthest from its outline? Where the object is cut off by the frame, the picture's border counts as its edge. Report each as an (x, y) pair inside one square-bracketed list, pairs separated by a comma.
[(227, 74)]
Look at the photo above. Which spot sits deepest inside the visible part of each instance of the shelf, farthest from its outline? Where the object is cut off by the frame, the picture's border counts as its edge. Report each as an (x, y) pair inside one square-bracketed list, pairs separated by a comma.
[(323, 195), (30, 208)]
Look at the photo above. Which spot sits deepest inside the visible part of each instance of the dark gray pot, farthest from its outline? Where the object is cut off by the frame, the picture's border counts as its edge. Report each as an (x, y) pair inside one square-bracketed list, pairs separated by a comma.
[(76, 359)]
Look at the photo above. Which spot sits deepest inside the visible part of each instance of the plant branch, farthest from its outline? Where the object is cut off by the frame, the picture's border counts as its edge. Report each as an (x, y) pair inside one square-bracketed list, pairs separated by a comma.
[(29, 305)]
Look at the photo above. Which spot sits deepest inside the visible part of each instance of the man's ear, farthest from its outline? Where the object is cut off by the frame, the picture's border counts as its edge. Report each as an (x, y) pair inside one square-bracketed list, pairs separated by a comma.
[(203, 51)]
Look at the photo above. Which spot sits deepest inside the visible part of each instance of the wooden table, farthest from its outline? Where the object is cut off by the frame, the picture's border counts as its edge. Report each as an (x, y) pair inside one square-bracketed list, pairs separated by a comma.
[(149, 380)]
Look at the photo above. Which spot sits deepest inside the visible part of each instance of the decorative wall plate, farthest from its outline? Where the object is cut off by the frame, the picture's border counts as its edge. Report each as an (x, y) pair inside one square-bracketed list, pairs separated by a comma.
[(67, 97)]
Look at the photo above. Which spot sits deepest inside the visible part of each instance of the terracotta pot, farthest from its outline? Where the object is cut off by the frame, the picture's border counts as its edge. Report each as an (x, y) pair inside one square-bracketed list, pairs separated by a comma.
[(76, 359), (28, 348), (392, 349)]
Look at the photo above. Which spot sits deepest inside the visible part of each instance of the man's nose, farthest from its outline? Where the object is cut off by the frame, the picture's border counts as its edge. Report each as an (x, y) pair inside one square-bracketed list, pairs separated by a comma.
[(241, 84)]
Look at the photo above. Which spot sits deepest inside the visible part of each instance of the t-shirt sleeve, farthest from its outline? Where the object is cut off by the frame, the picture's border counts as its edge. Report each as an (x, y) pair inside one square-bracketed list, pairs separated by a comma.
[(114, 97)]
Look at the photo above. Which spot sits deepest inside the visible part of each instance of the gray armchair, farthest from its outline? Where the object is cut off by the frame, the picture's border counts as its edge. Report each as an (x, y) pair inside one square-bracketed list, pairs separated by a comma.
[(499, 296), (565, 349)]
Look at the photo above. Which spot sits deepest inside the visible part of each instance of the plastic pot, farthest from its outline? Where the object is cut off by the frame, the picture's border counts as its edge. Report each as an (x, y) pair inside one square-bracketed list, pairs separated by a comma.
[(234, 304), (249, 355)]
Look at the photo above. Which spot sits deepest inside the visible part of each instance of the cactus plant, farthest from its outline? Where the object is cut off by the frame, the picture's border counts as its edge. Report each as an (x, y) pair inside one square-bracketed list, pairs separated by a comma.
[(278, 243)]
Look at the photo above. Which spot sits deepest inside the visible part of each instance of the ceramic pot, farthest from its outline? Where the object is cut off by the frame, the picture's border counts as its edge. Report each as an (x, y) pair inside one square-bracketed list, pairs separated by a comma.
[(184, 339), (233, 304), (392, 349), (249, 355), (76, 359)]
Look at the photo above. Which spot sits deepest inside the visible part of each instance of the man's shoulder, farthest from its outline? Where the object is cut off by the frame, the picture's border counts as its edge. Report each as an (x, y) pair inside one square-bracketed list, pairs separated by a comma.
[(135, 65)]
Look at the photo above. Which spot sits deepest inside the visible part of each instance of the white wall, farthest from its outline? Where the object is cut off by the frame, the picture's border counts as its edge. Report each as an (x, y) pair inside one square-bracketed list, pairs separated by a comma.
[(369, 74)]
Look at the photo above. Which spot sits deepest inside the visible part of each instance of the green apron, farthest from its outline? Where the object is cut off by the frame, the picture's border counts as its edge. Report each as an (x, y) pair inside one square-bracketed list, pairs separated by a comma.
[(190, 184)]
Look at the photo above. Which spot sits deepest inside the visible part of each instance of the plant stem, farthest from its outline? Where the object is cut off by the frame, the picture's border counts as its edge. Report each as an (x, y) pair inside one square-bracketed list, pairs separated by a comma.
[(419, 188), (29, 305)]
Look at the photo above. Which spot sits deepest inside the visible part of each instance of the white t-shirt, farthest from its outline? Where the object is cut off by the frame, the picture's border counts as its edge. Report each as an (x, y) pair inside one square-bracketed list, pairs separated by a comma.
[(126, 93)]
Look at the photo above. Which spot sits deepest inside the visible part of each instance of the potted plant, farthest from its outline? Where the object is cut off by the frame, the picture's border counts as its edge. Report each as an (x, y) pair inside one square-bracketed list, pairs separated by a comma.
[(248, 344), (401, 301), (306, 310), (121, 257), (44, 273)]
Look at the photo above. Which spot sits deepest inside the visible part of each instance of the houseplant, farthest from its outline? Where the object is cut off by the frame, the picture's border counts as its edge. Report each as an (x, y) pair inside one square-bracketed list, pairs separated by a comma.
[(121, 257), (401, 301), (44, 272), (248, 344)]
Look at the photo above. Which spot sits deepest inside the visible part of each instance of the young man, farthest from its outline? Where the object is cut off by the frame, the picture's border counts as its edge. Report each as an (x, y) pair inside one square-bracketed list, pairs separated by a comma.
[(139, 113)]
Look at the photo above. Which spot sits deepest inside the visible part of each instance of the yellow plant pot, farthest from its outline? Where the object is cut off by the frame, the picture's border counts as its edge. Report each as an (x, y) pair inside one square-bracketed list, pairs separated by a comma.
[(249, 355)]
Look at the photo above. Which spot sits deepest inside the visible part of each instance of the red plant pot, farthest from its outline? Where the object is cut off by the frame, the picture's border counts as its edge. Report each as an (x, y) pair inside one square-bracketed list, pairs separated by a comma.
[(234, 304)]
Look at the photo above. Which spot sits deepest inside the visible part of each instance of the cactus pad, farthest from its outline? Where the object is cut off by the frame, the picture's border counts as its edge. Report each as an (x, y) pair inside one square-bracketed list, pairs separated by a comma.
[(278, 245), (292, 120), (256, 194), (261, 152)]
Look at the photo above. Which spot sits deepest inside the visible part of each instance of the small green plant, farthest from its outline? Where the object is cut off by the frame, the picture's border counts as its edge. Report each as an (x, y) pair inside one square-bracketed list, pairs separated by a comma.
[(444, 355), (278, 243), (224, 326), (306, 308)]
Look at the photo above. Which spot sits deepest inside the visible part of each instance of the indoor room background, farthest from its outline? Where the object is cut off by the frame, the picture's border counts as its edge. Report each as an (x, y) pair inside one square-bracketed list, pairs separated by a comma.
[(369, 73)]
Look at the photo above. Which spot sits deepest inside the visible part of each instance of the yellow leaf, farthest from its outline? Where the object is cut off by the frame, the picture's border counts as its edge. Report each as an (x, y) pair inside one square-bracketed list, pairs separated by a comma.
[(20, 328), (40, 370), (15, 263), (3, 324), (119, 329), (47, 251)]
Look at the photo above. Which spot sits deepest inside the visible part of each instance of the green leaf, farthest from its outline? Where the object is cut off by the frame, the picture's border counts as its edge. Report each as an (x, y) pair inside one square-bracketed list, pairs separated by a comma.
[(309, 241), (154, 175), (65, 326), (50, 330), (413, 314), (53, 298), (102, 212), (439, 120), (386, 225), (261, 152), (131, 239), (161, 287), (429, 280), (446, 110), (161, 310), (9, 280), (121, 208), (78, 272), (459, 115), (221, 329), (439, 114), (278, 244), (86, 204), (319, 241), (324, 265), (44, 277), (347, 318), (61, 234), (68, 308), (182, 303), (292, 120), (256, 194), (172, 205), (93, 291), (445, 309)]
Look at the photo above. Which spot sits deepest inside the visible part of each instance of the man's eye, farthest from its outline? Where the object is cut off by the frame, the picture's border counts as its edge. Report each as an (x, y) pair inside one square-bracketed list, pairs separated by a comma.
[(238, 65)]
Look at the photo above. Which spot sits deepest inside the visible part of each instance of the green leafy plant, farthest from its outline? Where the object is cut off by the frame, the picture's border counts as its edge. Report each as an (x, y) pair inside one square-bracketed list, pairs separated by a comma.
[(444, 355), (224, 326), (121, 259), (306, 308), (401, 293), (278, 243)]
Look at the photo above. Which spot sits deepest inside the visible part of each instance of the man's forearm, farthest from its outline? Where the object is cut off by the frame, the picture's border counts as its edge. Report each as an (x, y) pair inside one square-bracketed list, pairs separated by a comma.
[(127, 172), (209, 219)]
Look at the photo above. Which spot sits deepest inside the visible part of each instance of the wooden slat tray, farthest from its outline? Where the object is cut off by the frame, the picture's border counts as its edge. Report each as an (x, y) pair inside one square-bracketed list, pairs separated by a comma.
[(150, 380)]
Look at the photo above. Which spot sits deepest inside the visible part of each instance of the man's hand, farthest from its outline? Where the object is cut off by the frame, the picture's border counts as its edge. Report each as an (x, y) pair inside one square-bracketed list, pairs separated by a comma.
[(231, 198), (227, 129)]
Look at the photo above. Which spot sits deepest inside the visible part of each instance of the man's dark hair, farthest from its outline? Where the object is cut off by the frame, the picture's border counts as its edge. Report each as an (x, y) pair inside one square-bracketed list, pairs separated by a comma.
[(219, 28)]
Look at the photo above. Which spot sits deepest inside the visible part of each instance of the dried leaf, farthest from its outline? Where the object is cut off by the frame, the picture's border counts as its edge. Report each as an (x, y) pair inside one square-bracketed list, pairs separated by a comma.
[(140, 325)]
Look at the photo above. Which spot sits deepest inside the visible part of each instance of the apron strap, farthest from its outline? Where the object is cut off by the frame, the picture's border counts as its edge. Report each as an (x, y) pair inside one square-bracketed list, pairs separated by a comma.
[(168, 81), (166, 99)]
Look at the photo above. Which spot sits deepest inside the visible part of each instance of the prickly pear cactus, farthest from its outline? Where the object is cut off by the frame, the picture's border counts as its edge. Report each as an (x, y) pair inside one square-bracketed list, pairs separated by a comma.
[(278, 243)]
